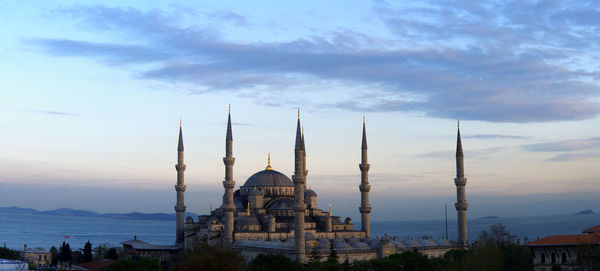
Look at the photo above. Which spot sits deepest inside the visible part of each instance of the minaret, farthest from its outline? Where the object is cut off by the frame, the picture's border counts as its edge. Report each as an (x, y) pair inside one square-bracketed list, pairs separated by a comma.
[(299, 179), (365, 208), (228, 184), (180, 188), (304, 158), (461, 202)]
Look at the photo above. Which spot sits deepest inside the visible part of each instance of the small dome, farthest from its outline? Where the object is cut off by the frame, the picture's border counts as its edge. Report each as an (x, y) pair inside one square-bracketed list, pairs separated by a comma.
[(282, 204), (443, 242), (248, 220), (359, 245), (411, 243), (309, 193), (427, 242), (268, 178)]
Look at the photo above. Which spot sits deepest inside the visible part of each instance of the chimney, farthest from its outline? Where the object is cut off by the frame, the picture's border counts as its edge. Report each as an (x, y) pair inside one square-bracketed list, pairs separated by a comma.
[(24, 247), (135, 237)]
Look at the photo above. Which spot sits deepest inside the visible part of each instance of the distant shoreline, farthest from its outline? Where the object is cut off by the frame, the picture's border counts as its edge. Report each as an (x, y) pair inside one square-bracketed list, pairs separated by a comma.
[(67, 212)]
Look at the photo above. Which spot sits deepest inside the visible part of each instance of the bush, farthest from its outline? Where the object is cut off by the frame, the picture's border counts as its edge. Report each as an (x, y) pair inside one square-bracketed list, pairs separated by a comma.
[(142, 264), (9, 254), (205, 257), (270, 262)]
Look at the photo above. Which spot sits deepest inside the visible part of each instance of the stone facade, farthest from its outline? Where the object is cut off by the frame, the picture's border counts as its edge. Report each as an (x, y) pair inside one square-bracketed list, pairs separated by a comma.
[(567, 252)]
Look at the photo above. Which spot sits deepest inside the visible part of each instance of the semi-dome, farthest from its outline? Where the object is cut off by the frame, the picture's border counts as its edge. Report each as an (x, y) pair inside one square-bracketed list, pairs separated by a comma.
[(268, 177), (309, 193)]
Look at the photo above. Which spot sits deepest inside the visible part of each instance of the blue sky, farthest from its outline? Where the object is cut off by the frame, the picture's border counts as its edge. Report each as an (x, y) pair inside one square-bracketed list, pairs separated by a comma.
[(92, 92)]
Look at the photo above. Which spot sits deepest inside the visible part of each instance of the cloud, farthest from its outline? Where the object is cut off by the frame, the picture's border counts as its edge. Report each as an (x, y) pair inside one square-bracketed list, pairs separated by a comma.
[(50, 112), (495, 136), (566, 157), (569, 150), (499, 62), (565, 145), (475, 154)]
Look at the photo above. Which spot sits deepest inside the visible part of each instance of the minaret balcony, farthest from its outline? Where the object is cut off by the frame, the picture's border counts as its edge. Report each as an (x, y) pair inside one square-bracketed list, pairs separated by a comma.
[(228, 184), (364, 167), (364, 209), (461, 206), (460, 181), (179, 167), (180, 188), (228, 161), (364, 187)]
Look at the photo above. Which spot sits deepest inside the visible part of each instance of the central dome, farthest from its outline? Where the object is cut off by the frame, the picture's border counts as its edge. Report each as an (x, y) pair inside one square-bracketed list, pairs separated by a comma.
[(268, 177)]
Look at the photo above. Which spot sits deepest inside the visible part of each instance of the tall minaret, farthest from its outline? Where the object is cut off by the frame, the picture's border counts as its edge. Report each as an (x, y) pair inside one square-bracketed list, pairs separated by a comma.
[(461, 202), (304, 158), (228, 184), (365, 208), (180, 188), (299, 179)]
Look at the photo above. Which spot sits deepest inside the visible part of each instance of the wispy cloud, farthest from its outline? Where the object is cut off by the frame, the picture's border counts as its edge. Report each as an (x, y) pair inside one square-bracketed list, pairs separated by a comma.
[(449, 154), (50, 112), (569, 150), (565, 157), (499, 62), (495, 136), (565, 145)]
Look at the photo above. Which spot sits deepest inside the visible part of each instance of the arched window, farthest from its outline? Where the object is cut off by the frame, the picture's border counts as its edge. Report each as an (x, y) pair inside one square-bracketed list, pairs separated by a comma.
[(563, 257), (553, 257), (543, 258)]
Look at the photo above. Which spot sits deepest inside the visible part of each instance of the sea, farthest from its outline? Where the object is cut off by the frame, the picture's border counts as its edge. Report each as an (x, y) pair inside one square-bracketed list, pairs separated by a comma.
[(45, 231)]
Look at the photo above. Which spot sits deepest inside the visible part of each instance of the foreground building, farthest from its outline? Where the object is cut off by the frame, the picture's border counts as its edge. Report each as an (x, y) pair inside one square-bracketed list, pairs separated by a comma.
[(567, 252), (271, 213), (35, 256)]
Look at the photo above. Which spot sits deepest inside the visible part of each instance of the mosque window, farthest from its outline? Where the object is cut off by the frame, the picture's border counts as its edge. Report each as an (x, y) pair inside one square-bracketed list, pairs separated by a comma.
[(553, 257), (564, 257)]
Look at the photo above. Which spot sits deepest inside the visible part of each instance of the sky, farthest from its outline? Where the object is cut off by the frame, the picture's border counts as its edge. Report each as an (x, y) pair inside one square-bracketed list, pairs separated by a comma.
[(92, 92)]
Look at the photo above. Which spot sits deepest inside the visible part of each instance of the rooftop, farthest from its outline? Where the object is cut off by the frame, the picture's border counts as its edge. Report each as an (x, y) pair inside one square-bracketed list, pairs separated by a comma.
[(568, 240)]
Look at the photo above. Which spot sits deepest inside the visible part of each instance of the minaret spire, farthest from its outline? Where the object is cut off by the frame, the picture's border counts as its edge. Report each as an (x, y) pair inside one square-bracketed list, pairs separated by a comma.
[(268, 163), (228, 184), (299, 179), (180, 189), (364, 187), (461, 202)]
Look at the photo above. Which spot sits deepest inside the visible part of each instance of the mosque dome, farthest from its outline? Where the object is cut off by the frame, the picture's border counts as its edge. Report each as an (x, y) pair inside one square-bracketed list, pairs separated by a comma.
[(269, 178), (310, 193)]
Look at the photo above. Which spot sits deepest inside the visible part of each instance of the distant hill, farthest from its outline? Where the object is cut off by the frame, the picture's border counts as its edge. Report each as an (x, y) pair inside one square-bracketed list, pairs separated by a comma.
[(585, 212), (84, 213)]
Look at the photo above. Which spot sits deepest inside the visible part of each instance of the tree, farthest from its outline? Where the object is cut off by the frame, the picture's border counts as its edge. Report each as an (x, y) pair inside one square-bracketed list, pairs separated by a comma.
[(87, 253), (516, 258), (141, 264), (9, 254), (65, 253), (55, 255), (497, 237), (205, 257), (270, 262), (100, 252), (112, 254)]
